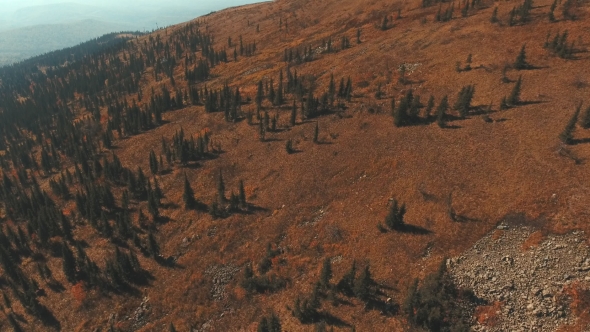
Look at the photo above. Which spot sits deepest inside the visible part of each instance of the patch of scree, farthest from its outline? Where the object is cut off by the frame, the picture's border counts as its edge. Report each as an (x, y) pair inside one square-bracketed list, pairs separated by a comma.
[(528, 283), (221, 275)]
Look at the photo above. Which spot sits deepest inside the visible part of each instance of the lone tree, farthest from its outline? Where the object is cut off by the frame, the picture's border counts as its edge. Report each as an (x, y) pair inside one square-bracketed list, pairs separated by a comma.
[(440, 112), (585, 120), (188, 196), (69, 265), (567, 135), (514, 98), (326, 273), (395, 218), (520, 62)]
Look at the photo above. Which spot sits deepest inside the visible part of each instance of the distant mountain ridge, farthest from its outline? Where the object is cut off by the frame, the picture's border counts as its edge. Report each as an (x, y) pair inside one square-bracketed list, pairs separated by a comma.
[(19, 44)]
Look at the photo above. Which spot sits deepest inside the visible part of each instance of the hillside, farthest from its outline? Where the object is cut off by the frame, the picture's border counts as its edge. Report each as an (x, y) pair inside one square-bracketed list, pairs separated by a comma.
[(100, 156)]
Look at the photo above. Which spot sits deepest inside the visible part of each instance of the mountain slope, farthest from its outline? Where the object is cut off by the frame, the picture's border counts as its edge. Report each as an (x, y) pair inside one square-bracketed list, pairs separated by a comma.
[(327, 198)]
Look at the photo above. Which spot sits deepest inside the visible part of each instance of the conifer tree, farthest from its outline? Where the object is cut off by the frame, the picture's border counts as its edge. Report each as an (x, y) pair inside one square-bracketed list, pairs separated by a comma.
[(289, 146), (567, 135), (69, 263), (395, 218), (220, 189), (293, 119), (440, 112), (362, 285), (188, 196), (326, 273), (153, 247), (520, 62), (514, 98), (494, 18), (242, 194), (316, 132), (585, 120), (429, 107)]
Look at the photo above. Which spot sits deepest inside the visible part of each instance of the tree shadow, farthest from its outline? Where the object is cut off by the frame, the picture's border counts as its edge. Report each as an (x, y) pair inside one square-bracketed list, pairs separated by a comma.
[(451, 127), (530, 102), (48, 319), (580, 141), (324, 143), (328, 318), (56, 286), (412, 229), (273, 139), (169, 205)]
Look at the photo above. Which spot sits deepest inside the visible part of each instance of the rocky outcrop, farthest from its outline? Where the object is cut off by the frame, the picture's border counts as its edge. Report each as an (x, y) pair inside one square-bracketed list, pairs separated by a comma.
[(528, 282)]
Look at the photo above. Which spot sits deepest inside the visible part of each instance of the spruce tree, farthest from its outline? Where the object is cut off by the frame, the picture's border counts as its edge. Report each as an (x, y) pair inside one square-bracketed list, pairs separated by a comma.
[(585, 120), (220, 189), (362, 285), (293, 114), (153, 247), (188, 196), (494, 18), (514, 98), (242, 194), (316, 133), (520, 62), (429, 107), (326, 273), (440, 112), (395, 218), (69, 263), (567, 135)]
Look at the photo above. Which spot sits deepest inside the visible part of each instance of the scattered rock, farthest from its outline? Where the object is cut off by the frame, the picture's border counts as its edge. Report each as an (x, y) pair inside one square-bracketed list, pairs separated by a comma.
[(529, 284)]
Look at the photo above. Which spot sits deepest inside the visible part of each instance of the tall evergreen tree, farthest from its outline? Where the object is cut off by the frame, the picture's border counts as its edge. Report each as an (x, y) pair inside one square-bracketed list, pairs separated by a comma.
[(69, 263), (567, 135), (440, 112), (189, 195), (514, 98), (326, 273), (520, 62), (220, 189)]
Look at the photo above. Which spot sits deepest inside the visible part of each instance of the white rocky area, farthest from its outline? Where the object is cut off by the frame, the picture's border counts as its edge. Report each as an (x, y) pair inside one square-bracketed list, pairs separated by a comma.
[(528, 282)]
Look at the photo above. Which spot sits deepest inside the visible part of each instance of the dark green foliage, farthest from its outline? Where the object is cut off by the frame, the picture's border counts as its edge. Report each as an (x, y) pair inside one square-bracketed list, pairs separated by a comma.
[(69, 263), (520, 62), (293, 118), (514, 98), (153, 247), (220, 189), (395, 218), (362, 285), (306, 309), (270, 324), (463, 103), (242, 194), (567, 10), (559, 45), (429, 107), (440, 112), (326, 273), (585, 120), (153, 163), (188, 196), (316, 133), (567, 135), (503, 104), (347, 282), (494, 18), (384, 23), (437, 305), (289, 146)]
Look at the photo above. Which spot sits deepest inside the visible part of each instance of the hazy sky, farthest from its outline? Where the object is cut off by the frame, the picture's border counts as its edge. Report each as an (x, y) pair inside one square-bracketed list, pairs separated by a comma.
[(7, 6)]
